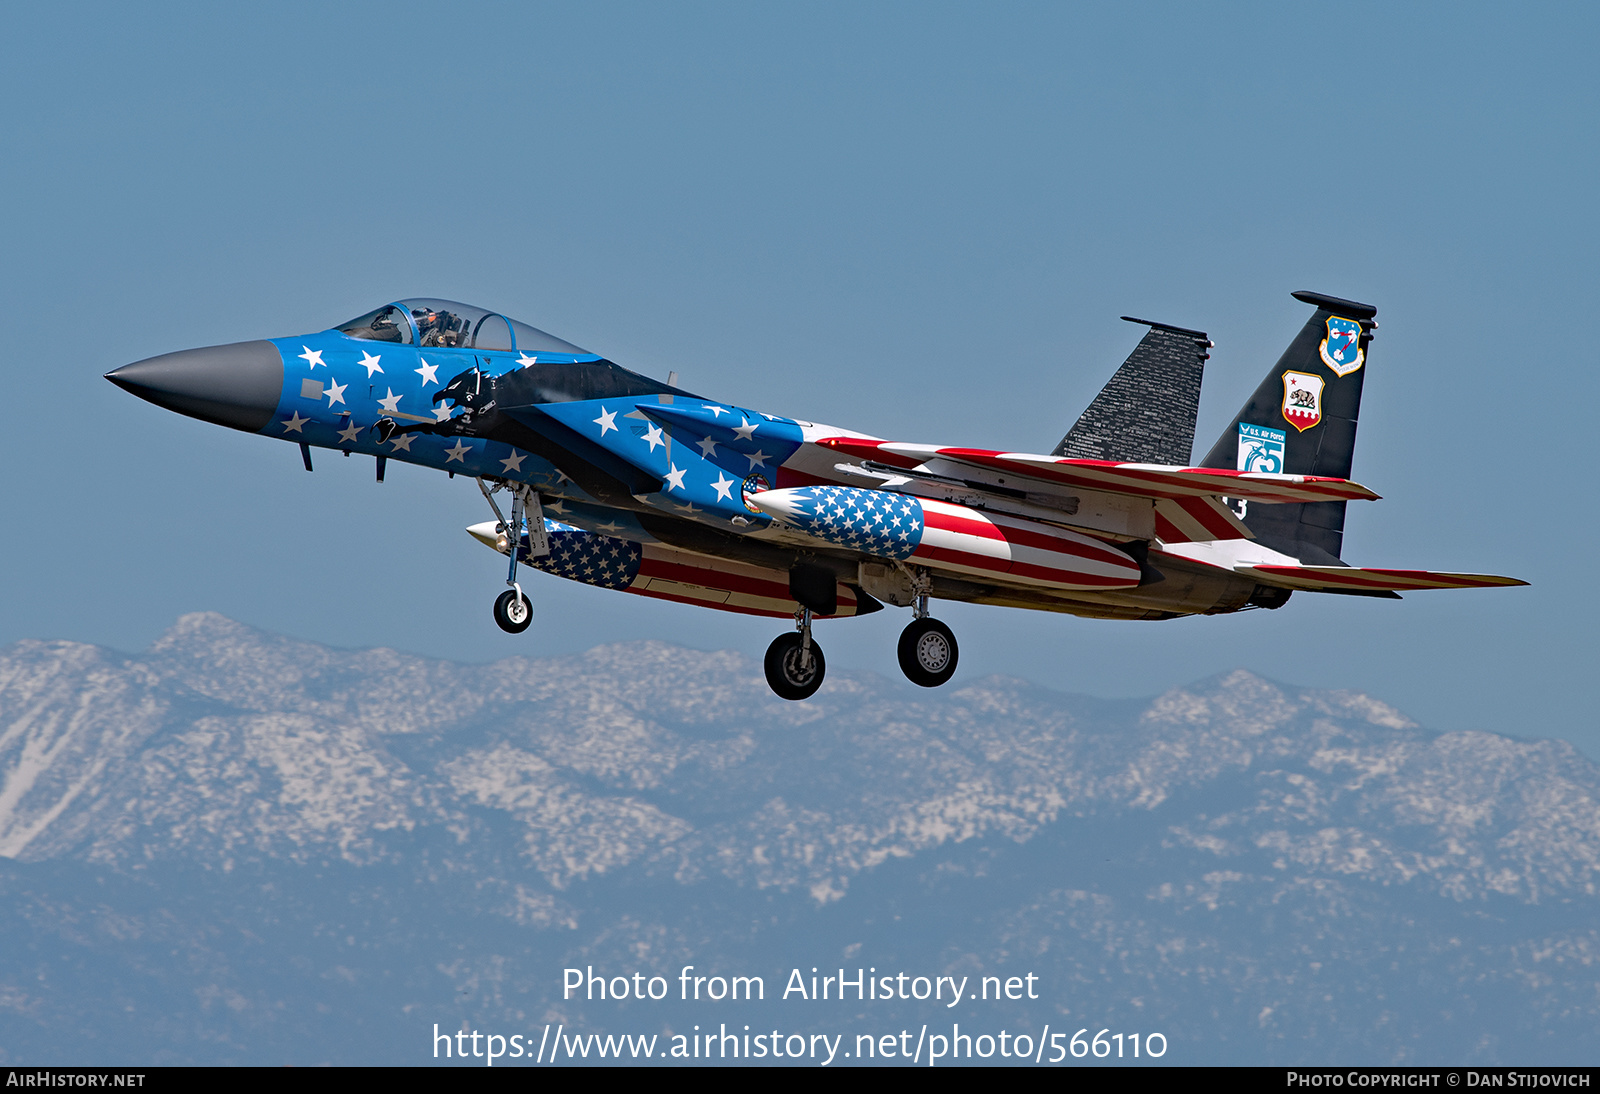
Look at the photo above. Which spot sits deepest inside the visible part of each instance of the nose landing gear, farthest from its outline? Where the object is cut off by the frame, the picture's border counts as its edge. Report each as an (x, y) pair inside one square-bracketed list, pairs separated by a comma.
[(794, 663), (512, 610)]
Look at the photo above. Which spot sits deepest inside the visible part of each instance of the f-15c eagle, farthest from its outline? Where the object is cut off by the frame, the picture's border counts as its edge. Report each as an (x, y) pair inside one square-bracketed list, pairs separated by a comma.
[(621, 481)]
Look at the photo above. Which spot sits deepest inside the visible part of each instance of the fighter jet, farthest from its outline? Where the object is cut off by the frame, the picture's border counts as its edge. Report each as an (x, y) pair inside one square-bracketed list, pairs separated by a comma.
[(628, 483)]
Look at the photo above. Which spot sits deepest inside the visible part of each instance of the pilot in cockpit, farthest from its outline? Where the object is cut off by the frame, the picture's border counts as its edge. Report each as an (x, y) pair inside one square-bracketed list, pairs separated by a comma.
[(438, 328)]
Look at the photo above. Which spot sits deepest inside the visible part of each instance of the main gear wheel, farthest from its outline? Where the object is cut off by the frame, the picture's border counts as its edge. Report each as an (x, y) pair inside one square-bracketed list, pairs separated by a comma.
[(793, 672), (928, 653)]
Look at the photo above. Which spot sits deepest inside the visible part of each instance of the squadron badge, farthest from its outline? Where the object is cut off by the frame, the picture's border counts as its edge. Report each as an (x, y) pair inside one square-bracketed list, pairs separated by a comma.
[(1341, 349), (753, 485), (1261, 448), (1302, 399)]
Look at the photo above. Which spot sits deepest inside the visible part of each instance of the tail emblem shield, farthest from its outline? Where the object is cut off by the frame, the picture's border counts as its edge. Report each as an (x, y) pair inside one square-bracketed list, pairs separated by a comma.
[(1341, 349), (1302, 399)]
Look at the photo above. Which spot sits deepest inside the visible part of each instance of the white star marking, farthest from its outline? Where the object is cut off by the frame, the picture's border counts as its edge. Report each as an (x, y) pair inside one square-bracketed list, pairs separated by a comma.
[(708, 448), (561, 476), (524, 360), (295, 424), (335, 392), (757, 459), (312, 357), (610, 526), (513, 462), (402, 443), (674, 477), (369, 361), (558, 506), (607, 420), (349, 434), (427, 372), (391, 403), (746, 429), (459, 452), (441, 413), (653, 437), (690, 508), (721, 486), (716, 411)]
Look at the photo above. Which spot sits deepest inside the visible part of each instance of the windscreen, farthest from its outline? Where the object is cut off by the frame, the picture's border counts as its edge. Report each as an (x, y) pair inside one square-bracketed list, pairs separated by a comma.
[(452, 324), (386, 324)]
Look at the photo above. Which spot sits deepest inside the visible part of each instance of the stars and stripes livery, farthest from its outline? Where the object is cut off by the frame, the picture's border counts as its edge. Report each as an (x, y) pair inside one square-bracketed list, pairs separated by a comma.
[(651, 569), (644, 487), (577, 555), (874, 522), (955, 538)]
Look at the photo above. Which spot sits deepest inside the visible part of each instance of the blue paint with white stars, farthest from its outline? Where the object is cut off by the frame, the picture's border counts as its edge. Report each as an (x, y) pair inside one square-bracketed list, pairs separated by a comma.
[(700, 451), (875, 522), (336, 388), (577, 555)]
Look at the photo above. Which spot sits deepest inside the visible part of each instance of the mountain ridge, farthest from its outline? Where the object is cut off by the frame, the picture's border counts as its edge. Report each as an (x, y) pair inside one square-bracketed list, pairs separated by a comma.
[(599, 806)]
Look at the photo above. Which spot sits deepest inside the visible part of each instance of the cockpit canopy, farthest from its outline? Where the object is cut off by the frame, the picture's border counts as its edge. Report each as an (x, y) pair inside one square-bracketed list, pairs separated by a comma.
[(447, 324)]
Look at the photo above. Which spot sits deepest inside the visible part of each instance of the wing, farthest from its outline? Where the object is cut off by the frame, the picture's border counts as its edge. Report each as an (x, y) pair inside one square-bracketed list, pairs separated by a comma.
[(1187, 501)]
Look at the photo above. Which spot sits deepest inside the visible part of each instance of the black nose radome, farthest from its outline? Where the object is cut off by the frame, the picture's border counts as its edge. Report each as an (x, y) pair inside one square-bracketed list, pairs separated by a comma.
[(235, 385)]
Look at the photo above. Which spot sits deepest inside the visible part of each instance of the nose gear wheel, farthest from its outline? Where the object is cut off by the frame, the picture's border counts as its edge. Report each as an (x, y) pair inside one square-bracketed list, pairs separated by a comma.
[(928, 653), (512, 611)]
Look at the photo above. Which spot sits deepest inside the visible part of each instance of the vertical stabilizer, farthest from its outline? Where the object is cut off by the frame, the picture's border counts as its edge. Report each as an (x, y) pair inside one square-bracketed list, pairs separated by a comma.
[(1146, 413), (1302, 421)]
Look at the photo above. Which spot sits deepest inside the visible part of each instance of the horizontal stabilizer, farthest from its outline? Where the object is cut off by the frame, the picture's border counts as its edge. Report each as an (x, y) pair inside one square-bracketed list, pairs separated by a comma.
[(1333, 579)]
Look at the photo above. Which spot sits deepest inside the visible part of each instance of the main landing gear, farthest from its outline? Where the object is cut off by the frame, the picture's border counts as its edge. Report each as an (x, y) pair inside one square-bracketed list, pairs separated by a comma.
[(794, 663), (928, 651)]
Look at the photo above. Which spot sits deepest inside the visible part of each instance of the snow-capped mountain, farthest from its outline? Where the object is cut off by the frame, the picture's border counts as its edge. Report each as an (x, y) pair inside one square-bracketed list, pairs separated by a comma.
[(238, 847)]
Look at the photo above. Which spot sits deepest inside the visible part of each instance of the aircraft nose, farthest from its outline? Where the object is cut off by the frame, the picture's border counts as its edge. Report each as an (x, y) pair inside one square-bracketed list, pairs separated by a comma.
[(236, 385)]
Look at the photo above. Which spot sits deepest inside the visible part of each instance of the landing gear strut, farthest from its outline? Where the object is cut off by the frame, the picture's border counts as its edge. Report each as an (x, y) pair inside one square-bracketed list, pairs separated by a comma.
[(794, 663), (512, 610), (928, 650)]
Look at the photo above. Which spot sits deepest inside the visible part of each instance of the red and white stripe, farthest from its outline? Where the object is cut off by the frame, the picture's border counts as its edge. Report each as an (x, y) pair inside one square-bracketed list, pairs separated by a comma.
[(1371, 579), (1197, 520), (965, 541), (666, 574)]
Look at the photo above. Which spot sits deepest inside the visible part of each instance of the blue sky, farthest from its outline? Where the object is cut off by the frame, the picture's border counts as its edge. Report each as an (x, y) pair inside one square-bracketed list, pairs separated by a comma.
[(917, 220)]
